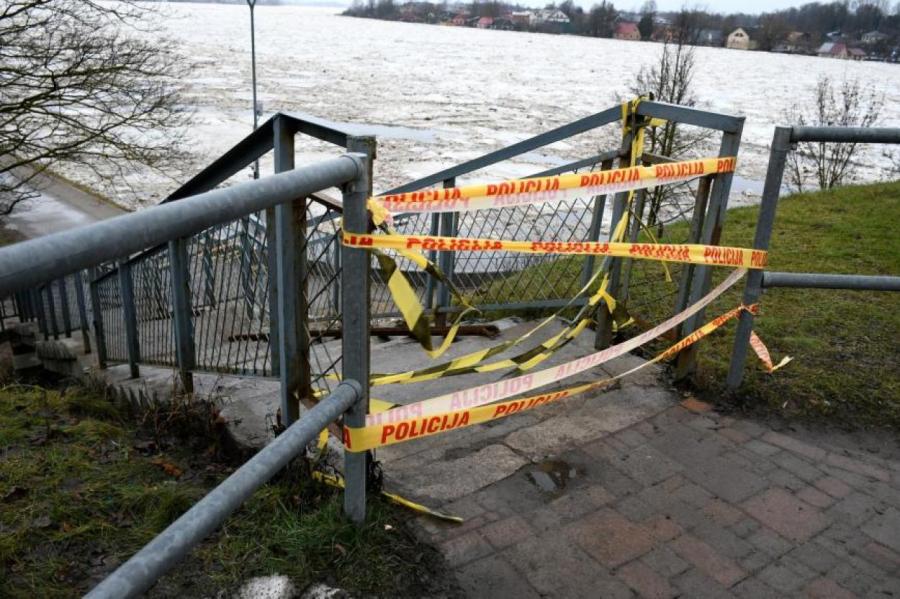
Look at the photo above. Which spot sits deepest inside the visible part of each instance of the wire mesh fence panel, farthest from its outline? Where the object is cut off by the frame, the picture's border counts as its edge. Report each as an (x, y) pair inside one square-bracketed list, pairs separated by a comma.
[(113, 318), (229, 283), (322, 288), (153, 306)]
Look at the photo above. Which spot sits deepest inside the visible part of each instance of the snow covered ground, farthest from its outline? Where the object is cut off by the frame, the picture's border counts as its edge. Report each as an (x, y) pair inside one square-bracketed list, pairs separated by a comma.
[(446, 94)]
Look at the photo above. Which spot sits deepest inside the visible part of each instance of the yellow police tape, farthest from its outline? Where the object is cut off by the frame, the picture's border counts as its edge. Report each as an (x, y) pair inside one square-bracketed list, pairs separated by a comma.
[(762, 353), (415, 427), (667, 252), (448, 406), (539, 190)]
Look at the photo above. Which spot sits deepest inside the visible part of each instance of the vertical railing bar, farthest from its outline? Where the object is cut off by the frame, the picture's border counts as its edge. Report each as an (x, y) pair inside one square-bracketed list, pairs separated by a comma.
[(781, 145), (182, 322), (82, 311), (599, 206), (97, 317), (51, 310), (64, 301), (687, 270), (355, 340), (126, 294), (710, 235)]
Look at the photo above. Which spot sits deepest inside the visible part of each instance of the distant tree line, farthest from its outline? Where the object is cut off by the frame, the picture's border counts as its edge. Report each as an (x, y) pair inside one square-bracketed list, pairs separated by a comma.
[(817, 21)]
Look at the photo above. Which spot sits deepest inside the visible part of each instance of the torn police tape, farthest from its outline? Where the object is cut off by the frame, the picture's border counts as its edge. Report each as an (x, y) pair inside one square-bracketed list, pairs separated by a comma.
[(414, 427), (540, 190), (469, 406), (667, 252)]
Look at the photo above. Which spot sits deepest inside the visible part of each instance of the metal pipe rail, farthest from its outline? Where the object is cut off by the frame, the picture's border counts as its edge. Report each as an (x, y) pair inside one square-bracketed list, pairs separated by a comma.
[(783, 141), (810, 280), (36, 261), (169, 547)]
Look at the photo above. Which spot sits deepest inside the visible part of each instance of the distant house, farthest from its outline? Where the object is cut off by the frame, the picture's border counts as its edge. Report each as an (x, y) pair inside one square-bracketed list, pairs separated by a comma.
[(832, 50), (552, 15), (739, 39), (460, 20), (856, 54), (796, 42), (523, 18), (873, 37), (503, 24), (627, 31), (710, 37), (484, 23)]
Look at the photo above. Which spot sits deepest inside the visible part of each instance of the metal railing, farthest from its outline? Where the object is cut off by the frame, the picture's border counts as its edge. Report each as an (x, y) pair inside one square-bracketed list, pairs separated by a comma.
[(757, 280), (162, 275)]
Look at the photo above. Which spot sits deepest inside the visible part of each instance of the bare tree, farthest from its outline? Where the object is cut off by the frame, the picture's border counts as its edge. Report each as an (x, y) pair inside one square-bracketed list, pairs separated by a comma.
[(84, 83), (669, 79), (844, 104)]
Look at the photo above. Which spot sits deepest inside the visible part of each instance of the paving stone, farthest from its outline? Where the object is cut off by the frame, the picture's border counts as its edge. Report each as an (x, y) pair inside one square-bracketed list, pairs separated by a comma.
[(881, 556), (665, 562), (610, 538), (815, 497), (770, 542), (753, 588), (779, 477), (734, 435), (494, 577), (797, 466), (721, 513), (795, 445), (630, 437), (856, 509), (693, 494), (825, 588), (723, 540), (558, 568), (787, 515), (853, 465), (465, 548), (647, 465), (634, 508), (746, 527), (695, 405), (726, 480), (755, 561), (781, 578), (697, 585), (885, 528), (645, 581), (706, 559), (833, 486), (815, 556), (749, 427), (506, 532)]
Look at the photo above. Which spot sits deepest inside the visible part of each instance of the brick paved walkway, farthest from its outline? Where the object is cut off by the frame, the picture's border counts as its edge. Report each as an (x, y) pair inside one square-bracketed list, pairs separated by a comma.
[(693, 504)]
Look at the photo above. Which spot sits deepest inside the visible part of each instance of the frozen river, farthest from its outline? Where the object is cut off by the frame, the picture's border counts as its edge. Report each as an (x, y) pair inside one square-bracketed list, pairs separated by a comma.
[(446, 94)]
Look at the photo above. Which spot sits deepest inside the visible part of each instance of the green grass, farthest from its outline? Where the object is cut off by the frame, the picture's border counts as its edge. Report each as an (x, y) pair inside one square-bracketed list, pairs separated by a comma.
[(81, 492), (845, 344)]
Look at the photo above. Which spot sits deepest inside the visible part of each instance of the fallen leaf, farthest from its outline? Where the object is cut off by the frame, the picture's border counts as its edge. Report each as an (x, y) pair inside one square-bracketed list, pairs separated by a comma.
[(168, 467), (340, 549)]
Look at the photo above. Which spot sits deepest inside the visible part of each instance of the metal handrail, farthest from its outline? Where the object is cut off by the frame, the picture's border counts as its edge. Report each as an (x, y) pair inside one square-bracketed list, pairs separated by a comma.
[(36, 261), (171, 546)]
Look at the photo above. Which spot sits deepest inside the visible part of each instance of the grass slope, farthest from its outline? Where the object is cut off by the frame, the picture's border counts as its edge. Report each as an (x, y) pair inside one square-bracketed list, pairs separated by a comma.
[(81, 490), (845, 344)]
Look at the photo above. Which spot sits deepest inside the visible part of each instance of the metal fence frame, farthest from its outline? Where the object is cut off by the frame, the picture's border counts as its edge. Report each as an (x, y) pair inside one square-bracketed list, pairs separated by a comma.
[(783, 141)]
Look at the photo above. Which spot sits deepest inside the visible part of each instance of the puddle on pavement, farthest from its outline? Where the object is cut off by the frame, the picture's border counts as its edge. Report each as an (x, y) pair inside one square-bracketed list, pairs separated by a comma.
[(553, 476)]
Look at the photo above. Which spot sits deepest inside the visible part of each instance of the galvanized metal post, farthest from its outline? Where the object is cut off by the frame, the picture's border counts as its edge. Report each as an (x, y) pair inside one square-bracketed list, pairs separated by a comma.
[(599, 205), (51, 310), (64, 300), (38, 301), (687, 270), (291, 272), (335, 284), (781, 145), (82, 311), (604, 333), (182, 315), (355, 286), (432, 256), (97, 314), (711, 234), (449, 227), (126, 293)]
